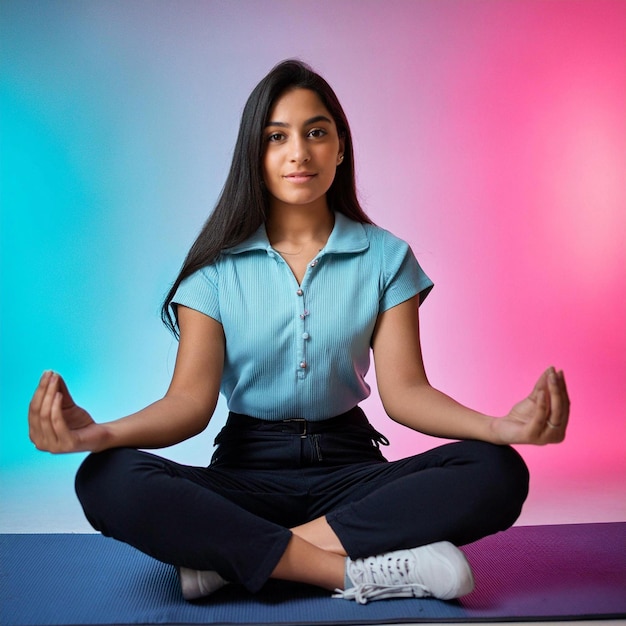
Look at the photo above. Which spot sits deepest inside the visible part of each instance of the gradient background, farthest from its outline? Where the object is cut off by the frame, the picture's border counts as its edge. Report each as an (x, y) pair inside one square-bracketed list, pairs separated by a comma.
[(490, 134)]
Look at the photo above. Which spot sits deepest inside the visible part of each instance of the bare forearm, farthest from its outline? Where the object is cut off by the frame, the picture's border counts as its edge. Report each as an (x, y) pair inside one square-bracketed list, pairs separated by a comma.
[(539, 418), (432, 412), (164, 423)]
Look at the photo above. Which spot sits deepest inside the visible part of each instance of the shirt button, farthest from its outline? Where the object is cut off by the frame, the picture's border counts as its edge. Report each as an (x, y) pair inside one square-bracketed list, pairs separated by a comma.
[(303, 314), (313, 262), (300, 292), (305, 335), (302, 364)]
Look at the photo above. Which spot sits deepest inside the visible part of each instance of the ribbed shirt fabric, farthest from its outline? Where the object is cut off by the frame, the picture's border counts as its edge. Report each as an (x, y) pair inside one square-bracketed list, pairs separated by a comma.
[(302, 351)]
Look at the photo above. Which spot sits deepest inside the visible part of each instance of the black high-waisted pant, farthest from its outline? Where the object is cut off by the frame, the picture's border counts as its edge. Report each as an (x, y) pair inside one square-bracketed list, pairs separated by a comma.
[(266, 477)]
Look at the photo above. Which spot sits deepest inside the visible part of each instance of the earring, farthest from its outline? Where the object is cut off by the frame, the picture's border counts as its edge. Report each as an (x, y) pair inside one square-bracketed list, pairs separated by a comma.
[(340, 158)]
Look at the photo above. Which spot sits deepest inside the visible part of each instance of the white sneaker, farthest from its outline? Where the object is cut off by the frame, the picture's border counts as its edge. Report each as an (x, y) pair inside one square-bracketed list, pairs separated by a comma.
[(439, 570), (197, 584)]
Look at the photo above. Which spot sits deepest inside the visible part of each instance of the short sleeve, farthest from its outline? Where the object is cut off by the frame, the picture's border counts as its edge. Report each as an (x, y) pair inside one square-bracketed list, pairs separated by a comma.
[(403, 276), (200, 291)]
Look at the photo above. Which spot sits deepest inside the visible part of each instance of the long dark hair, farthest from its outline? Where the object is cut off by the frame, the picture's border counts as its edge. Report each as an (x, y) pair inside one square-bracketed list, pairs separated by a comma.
[(243, 204)]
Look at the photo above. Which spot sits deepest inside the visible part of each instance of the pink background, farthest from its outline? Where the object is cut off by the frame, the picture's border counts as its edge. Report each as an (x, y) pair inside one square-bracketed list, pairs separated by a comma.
[(490, 134)]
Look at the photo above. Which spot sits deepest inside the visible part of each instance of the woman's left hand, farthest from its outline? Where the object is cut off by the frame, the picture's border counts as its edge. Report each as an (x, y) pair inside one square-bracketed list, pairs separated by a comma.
[(541, 418)]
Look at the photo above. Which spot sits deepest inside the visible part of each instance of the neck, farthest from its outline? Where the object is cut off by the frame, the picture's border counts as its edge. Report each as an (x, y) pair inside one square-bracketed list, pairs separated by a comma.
[(297, 225)]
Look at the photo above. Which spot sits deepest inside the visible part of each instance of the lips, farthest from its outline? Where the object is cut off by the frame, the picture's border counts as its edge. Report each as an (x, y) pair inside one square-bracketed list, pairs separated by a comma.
[(300, 177)]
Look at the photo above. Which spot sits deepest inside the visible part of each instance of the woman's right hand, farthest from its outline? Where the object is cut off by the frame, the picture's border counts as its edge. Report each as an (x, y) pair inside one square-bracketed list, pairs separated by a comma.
[(57, 424)]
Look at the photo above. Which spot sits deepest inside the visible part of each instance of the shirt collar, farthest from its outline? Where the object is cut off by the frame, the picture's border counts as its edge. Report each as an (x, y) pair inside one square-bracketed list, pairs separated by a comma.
[(347, 236), (257, 241)]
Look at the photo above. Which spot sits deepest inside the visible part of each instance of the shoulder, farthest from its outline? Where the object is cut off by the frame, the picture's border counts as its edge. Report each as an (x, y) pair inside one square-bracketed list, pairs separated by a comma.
[(400, 270), (206, 275), (358, 237), (390, 250), (385, 240)]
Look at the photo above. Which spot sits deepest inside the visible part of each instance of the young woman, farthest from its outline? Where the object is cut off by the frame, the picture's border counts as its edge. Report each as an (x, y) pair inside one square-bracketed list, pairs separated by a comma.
[(283, 295)]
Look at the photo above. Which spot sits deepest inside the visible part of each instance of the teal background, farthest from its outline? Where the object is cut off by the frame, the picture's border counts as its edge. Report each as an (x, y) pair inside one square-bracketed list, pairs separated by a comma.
[(491, 135)]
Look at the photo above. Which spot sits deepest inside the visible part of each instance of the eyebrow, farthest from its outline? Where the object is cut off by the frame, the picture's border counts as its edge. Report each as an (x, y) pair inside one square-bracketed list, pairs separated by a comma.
[(312, 120)]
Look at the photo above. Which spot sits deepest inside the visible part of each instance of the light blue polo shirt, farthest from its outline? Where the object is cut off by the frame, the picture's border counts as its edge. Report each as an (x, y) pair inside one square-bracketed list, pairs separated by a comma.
[(303, 350)]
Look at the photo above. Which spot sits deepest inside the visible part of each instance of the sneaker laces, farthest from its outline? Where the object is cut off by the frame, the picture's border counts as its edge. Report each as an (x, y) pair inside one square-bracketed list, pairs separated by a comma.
[(372, 591), (384, 576), (438, 570), (391, 569)]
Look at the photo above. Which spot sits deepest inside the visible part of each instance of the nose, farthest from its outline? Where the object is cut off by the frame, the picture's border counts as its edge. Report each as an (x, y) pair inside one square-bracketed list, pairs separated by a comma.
[(299, 150)]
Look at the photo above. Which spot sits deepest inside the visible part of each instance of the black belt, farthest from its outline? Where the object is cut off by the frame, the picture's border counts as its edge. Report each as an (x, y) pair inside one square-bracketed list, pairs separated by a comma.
[(352, 420)]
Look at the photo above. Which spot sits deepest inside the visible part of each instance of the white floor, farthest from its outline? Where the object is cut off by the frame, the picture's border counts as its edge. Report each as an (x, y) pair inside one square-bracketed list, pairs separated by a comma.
[(593, 622)]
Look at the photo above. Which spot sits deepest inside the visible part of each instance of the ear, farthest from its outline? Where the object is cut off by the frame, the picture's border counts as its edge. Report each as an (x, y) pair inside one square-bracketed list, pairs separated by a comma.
[(342, 147)]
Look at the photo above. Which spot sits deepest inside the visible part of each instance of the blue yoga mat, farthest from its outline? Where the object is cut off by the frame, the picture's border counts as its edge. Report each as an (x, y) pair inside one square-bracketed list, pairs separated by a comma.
[(526, 573)]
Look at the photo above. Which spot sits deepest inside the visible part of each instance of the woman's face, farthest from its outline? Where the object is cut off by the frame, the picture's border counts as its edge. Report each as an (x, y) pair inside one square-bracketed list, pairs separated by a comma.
[(302, 150)]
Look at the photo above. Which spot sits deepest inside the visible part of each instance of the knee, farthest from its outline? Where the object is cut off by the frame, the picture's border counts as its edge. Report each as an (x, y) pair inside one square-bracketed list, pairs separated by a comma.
[(96, 469), (510, 479), (503, 480), (98, 479), (509, 470)]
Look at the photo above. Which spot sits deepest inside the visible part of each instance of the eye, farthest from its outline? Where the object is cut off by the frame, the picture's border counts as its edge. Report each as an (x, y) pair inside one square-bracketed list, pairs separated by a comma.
[(317, 133), (275, 137)]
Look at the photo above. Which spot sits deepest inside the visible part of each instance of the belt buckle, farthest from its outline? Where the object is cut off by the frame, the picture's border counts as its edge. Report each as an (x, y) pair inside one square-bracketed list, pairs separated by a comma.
[(303, 434)]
